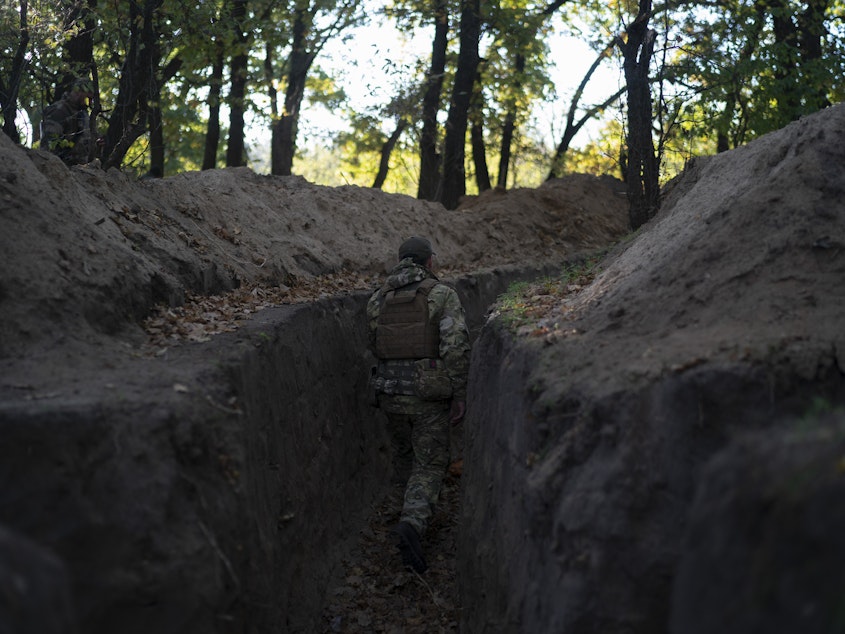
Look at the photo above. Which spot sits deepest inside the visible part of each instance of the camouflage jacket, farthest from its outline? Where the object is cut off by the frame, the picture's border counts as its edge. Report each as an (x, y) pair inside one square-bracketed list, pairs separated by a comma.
[(444, 308), (65, 131)]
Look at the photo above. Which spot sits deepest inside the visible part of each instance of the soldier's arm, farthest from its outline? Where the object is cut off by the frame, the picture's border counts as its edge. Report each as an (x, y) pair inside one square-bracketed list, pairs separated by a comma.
[(53, 127), (51, 132), (373, 308), (454, 342)]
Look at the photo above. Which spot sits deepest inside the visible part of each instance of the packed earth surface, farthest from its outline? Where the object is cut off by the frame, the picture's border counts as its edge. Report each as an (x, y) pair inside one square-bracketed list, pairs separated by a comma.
[(601, 482)]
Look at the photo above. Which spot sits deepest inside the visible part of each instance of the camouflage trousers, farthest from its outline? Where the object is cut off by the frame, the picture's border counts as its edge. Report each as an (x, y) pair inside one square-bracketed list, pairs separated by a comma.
[(421, 446)]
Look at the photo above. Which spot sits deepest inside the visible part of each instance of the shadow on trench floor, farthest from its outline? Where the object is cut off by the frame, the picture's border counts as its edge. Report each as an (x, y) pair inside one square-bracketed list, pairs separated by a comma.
[(377, 594)]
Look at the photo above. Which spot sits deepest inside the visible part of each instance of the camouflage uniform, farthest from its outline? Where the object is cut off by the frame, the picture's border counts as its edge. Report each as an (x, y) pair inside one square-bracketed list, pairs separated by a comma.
[(65, 131), (420, 428)]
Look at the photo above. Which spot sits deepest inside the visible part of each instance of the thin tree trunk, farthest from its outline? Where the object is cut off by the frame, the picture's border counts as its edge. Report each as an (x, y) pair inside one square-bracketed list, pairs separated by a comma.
[(96, 109), (479, 150), (479, 158), (454, 173), (134, 83), (786, 55), (10, 88), (643, 190), (154, 117), (798, 47), (505, 149), (429, 159), (269, 81), (156, 143), (212, 134), (79, 50), (283, 146), (510, 125), (236, 149), (386, 151), (811, 34)]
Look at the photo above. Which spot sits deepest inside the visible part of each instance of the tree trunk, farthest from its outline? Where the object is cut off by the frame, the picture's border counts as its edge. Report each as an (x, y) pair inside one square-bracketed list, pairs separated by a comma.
[(96, 109), (788, 95), (454, 177), (236, 150), (386, 150), (10, 87), (156, 143), (285, 130), (510, 125), (812, 32), (429, 159), (723, 124), (505, 149), (479, 150), (212, 134), (80, 20), (155, 121), (479, 158), (801, 87), (134, 84), (79, 48), (643, 190)]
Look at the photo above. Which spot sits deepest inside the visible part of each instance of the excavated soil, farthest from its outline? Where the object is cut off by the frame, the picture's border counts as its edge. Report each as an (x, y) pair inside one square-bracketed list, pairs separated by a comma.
[(88, 256)]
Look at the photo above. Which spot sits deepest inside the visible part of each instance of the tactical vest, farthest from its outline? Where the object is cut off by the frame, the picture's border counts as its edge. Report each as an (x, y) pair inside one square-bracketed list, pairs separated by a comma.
[(403, 330)]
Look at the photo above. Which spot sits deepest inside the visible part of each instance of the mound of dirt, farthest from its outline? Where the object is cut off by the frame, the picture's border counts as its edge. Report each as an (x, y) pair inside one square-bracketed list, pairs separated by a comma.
[(87, 254), (744, 262)]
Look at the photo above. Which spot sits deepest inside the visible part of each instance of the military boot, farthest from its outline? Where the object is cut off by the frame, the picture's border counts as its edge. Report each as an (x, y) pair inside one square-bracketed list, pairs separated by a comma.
[(408, 542)]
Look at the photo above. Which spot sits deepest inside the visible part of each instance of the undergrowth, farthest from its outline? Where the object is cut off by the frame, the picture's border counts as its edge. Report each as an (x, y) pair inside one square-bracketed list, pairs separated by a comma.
[(525, 303)]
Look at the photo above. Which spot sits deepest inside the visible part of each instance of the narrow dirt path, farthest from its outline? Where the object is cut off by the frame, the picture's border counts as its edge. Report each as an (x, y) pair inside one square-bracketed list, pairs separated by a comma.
[(378, 595)]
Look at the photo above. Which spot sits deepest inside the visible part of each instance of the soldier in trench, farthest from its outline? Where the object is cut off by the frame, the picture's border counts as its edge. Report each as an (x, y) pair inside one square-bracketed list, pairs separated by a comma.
[(419, 335), (65, 126)]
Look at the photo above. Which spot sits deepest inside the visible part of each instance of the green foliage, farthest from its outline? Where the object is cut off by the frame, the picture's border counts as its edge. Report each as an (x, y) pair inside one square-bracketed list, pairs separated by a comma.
[(740, 78), (512, 306), (38, 83), (723, 76), (526, 302), (582, 271), (598, 157), (354, 160)]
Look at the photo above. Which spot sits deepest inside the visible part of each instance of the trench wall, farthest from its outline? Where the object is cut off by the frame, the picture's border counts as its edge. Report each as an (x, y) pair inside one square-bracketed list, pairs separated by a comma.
[(577, 516), (212, 490)]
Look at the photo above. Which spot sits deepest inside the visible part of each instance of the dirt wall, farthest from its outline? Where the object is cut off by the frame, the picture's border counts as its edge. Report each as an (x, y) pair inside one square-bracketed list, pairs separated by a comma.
[(575, 514), (218, 497)]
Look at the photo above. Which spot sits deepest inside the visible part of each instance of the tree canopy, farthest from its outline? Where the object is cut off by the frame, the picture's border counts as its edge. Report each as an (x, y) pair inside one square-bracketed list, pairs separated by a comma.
[(190, 84)]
